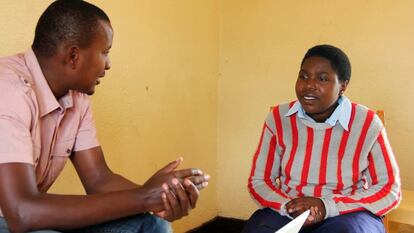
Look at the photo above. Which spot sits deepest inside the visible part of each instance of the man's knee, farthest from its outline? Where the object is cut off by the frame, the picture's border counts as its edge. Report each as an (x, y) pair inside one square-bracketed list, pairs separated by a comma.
[(159, 225)]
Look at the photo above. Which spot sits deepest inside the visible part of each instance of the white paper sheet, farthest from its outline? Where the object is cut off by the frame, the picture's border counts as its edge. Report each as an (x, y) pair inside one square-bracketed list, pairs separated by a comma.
[(295, 225)]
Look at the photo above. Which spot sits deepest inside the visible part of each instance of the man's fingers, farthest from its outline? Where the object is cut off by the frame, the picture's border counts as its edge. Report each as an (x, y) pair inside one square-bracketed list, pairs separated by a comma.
[(198, 180), (171, 166), (167, 205), (166, 213), (192, 191), (184, 173), (202, 185), (182, 197), (196, 176), (172, 200)]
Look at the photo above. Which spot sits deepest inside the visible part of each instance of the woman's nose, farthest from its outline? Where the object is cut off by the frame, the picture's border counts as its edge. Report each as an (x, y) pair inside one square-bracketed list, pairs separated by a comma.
[(310, 83)]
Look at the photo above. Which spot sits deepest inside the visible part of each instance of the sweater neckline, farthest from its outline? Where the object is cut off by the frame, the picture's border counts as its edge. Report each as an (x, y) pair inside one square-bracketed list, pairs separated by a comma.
[(316, 125)]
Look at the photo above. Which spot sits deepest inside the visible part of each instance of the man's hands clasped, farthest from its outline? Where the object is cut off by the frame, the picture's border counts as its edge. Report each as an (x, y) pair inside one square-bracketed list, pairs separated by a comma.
[(172, 194)]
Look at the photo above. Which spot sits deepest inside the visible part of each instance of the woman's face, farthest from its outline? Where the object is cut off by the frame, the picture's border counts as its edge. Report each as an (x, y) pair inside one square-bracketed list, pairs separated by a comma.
[(318, 88)]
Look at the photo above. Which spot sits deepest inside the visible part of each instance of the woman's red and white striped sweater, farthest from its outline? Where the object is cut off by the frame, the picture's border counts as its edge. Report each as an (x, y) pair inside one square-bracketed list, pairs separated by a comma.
[(349, 170)]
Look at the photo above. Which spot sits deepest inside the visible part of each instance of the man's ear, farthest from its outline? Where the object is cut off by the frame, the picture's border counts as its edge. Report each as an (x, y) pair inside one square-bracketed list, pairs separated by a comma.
[(72, 54), (343, 87)]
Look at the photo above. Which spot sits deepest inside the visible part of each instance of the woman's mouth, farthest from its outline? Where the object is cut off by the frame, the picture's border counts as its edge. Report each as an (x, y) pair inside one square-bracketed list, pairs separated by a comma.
[(309, 97)]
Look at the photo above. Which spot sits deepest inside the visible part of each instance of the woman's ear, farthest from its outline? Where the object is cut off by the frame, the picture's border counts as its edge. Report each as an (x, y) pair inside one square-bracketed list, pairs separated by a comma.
[(343, 87)]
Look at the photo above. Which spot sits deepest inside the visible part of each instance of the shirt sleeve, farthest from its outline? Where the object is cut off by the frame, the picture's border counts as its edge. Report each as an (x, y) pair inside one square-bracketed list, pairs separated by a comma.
[(383, 192), (15, 122), (263, 180), (86, 137)]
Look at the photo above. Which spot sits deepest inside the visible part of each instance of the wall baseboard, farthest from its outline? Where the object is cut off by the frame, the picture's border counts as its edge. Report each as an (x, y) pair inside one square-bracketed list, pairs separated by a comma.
[(220, 225)]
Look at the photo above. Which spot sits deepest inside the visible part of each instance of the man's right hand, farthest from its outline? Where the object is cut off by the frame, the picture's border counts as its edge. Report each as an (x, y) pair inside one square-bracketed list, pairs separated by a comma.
[(172, 194), (178, 205)]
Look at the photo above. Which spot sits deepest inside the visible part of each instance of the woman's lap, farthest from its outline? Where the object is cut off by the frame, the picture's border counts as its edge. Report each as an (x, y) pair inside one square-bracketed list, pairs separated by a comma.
[(268, 221)]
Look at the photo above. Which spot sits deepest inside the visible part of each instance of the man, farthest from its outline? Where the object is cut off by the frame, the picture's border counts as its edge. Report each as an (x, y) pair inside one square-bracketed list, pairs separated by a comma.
[(45, 118)]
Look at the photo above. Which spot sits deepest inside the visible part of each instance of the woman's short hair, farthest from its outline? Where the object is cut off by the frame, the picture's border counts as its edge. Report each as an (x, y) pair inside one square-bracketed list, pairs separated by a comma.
[(339, 60)]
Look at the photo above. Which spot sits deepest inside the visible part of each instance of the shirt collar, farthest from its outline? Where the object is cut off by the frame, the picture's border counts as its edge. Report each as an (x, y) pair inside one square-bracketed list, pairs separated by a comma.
[(341, 114), (47, 101)]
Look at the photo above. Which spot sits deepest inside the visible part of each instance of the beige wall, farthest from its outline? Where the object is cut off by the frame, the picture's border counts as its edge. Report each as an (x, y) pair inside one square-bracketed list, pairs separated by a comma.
[(158, 102), (261, 46)]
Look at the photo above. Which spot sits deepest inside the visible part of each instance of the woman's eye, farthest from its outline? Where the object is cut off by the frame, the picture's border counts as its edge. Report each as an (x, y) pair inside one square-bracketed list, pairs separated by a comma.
[(302, 76), (323, 78)]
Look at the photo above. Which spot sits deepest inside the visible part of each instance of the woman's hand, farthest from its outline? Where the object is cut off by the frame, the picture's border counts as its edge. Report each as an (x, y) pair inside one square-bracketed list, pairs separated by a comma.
[(299, 205)]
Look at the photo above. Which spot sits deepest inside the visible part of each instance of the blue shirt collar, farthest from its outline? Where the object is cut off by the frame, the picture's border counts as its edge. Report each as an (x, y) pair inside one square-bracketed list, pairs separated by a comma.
[(342, 113)]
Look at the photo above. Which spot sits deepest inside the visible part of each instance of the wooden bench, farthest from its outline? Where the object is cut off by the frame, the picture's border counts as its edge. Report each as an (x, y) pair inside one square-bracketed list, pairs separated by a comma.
[(405, 211)]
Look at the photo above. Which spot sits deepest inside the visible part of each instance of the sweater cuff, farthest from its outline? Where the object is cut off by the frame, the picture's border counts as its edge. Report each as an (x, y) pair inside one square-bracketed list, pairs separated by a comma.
[(330, 207)]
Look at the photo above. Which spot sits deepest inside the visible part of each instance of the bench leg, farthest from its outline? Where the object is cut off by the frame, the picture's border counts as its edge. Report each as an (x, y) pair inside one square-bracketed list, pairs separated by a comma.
[(386, 224)]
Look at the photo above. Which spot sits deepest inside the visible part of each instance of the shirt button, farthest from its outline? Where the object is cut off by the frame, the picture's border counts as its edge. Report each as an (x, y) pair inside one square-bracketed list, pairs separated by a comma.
[(68, 151)]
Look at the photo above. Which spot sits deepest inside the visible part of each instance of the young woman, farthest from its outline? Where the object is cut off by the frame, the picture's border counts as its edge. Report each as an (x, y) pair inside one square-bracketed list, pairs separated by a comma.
[(323, 153)]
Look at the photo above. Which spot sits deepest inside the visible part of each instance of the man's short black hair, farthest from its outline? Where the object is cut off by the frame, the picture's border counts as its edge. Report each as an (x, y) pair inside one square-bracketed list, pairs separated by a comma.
[(74, 21), (339, 60)]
